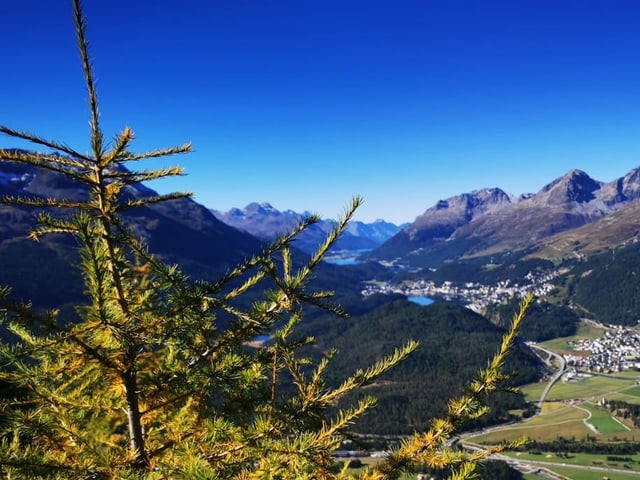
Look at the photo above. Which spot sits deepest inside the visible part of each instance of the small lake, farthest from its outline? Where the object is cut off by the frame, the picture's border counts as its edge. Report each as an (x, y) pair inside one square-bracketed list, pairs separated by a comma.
[(341, 260), (424, 301), (345, 257)]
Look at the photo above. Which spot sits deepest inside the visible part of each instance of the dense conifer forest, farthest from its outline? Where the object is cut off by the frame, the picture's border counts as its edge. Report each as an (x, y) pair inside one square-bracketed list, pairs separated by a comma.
[(608, 285), (454, 343), (544, 320)]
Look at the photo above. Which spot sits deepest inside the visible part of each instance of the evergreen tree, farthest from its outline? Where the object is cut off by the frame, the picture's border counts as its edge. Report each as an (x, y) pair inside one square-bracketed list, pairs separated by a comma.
[(146, 385)]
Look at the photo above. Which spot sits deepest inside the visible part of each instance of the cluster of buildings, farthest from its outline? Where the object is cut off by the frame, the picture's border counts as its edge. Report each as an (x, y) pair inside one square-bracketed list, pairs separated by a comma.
[(475, 296), (617, 350)]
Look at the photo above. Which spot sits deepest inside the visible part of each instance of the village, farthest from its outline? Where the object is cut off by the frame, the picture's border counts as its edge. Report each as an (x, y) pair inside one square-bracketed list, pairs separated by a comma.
[(617, 350), (473, 295)]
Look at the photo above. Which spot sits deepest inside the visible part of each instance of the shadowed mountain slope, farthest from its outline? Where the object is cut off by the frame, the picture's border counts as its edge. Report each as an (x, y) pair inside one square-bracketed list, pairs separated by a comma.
[(180, 231)]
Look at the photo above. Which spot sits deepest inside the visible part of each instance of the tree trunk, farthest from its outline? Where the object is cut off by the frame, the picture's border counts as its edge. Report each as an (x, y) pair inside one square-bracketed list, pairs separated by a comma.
[(136, 435)]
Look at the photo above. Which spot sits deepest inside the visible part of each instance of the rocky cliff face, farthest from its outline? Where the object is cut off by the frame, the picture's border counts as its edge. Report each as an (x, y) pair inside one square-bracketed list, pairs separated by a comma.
[(576, 186), (442, 220), (621, 190)]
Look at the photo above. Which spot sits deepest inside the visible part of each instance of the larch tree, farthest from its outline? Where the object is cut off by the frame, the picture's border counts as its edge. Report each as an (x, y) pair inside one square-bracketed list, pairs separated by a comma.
[(146, 385)]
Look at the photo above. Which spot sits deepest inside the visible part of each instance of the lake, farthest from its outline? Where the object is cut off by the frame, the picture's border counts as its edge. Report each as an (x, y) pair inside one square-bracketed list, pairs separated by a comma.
[(345, 257), (341, 260), (424, 301)]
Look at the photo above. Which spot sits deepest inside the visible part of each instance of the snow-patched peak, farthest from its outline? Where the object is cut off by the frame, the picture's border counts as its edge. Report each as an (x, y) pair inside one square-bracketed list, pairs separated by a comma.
[(265, 221)]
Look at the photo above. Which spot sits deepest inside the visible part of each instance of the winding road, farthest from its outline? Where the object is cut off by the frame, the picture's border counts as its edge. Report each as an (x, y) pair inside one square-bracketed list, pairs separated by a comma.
[(556, 376)]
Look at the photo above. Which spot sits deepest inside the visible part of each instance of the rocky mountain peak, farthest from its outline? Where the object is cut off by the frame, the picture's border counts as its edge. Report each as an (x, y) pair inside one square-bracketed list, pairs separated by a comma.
[(631, 184), (441, 220), (568, 211), (621, 190), (489, 199), (468, 205), (262, 208), (266, 222), (575, 186)]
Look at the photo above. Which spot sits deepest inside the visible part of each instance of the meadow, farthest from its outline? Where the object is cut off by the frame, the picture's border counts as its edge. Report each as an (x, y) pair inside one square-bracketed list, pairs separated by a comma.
[(586, 329)]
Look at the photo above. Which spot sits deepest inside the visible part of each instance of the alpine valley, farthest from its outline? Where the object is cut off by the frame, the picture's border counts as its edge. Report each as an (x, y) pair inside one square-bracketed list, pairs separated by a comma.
[(574, 243)]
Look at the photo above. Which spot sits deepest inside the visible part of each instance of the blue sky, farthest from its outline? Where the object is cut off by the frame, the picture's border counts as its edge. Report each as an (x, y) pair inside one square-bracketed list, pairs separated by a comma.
[(304, 104)]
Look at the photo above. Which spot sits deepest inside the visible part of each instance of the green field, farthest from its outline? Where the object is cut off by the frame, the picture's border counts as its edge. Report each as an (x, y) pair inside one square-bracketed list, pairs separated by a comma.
[(626, 395), (572, 410), (563, 465), (566, 414), (575, 474), (585, 330), (592, 388), (533, 391), (633, 391), (579, 459), (602, 420), (556, 419)]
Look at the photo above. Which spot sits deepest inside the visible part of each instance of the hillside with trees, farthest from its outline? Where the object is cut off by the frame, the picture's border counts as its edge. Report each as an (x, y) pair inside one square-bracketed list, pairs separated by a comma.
[(608, 285), (454, 344), (544, 320)]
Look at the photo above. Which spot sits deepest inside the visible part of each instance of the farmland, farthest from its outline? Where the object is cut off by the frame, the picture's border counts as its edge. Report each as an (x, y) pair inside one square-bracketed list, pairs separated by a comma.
[(575, 408)]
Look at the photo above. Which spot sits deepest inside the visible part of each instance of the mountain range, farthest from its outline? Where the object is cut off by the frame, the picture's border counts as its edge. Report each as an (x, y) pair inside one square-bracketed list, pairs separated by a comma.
[(572, 218), (188, 234), (266, 222), (573, 215)]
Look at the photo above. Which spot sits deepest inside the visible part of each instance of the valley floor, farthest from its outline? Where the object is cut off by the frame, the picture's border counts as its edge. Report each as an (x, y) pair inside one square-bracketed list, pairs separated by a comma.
[(573, 408)]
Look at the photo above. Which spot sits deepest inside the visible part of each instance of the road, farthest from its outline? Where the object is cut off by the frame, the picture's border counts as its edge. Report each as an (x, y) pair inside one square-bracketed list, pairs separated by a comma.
[(556, 376), (526, 466)]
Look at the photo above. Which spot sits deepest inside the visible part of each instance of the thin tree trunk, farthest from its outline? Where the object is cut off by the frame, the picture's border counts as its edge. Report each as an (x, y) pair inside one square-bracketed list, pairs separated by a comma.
[(136, 435)]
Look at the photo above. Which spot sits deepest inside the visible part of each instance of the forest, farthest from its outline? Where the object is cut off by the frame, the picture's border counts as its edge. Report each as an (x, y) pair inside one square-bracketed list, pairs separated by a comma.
[(454, 344), (544, 320), (608, 285)]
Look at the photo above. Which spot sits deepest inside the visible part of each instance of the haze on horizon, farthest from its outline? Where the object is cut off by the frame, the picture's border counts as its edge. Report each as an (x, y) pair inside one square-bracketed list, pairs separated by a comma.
[(305, 104)]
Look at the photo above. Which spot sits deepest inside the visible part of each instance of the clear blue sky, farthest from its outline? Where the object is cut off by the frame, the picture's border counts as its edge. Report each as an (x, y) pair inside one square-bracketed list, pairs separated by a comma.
[(305, 103)]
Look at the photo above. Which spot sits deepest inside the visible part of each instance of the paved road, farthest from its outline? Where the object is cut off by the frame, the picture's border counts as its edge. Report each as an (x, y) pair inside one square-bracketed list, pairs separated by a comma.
[(556, 376), (529, 465)]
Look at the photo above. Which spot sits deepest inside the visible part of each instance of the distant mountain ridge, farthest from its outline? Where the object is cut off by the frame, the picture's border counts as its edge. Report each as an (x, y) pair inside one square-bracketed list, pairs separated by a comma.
[(488, 221), (264, 221), (181, 231)]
